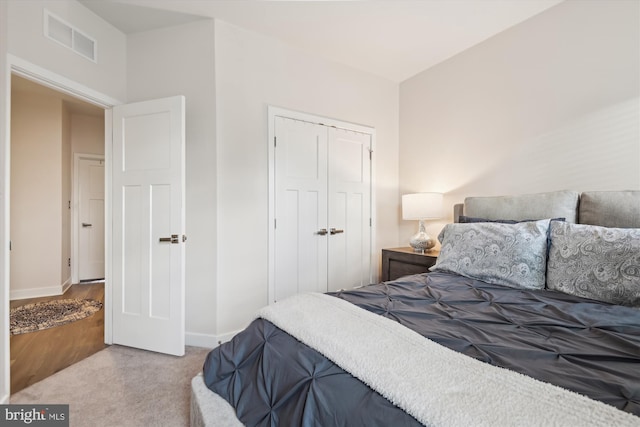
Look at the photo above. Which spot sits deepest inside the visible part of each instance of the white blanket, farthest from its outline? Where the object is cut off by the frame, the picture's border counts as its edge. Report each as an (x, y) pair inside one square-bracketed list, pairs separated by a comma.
[(436, 385)]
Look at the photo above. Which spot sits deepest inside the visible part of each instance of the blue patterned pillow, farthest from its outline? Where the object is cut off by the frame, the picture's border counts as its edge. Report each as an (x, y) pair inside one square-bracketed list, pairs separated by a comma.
[(595, 262), (505, 254)]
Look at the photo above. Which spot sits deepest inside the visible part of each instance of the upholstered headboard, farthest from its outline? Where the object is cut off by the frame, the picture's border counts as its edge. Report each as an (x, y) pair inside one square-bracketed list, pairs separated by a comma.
[(619, 209), (606, 208)]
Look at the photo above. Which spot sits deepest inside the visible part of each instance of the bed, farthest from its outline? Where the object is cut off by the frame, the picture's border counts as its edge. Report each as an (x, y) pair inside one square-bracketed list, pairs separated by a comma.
[(531, 316)]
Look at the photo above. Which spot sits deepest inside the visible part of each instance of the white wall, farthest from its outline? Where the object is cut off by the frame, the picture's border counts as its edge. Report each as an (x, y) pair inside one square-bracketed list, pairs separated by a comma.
[(27, 41), (252, 72), (550, 104), (36, 191), (180, 61), (226, 283)]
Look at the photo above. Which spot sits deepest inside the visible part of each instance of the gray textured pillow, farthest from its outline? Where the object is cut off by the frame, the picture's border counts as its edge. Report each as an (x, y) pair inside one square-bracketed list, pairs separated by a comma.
[(595, 262), (505, 254)]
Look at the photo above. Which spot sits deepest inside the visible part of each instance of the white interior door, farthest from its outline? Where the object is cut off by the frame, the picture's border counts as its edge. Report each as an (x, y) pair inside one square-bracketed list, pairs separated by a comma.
[(349, 203), (148, 225), (322, 208), (301, 207), (90, 219)]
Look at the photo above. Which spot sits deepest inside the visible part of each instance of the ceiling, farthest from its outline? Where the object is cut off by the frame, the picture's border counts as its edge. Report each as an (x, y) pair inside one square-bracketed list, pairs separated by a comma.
[(394, 39)]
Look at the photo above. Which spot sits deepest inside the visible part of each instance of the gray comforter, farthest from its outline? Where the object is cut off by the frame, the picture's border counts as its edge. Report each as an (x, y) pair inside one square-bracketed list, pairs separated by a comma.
[(581, 345)]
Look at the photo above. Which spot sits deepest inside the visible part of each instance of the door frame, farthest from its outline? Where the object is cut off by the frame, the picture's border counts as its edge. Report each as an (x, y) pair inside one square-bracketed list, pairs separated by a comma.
[(45, 77), (75, 213), (272, 113)]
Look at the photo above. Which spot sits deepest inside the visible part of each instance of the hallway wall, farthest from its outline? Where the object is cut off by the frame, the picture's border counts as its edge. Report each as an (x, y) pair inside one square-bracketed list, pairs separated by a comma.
[(36, 193), (46, 131)]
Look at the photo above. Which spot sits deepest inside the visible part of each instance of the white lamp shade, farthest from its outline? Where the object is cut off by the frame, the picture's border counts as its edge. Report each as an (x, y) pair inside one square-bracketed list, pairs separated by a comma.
[(422, 206)]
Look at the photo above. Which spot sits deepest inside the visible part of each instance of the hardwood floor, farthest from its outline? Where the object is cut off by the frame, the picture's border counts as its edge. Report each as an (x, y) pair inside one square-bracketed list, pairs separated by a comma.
[(37, 355)]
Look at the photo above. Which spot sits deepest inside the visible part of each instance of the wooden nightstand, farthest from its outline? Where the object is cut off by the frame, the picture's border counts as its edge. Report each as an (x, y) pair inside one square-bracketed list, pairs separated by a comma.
[(398, 262)]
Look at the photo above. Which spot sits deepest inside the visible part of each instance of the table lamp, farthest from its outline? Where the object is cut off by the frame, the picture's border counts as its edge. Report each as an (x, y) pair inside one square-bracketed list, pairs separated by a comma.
[(421, 206)]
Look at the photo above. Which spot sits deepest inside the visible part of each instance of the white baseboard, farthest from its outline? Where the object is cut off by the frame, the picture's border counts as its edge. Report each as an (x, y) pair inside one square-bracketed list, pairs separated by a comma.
[(40, 292), (4, 400), (196, 339), (66, 285), (36, 292)]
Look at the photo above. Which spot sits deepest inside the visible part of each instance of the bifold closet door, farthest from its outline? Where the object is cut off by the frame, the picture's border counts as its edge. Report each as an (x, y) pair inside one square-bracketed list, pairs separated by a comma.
[(349, 203), (300, 207)]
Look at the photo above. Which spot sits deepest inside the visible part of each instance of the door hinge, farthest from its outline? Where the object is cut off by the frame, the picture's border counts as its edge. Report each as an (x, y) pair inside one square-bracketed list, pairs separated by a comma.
[(370, 154), (370, 223), (275, 223), (69, 262), (275, 141)]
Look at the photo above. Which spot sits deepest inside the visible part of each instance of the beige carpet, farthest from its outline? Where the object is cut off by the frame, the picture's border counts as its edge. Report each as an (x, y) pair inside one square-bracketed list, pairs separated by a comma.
[(121, 387)]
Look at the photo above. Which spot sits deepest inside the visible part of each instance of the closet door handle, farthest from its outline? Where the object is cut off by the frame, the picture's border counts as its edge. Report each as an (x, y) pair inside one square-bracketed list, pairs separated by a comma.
[(173, 239), (322, 232), (335, 231)]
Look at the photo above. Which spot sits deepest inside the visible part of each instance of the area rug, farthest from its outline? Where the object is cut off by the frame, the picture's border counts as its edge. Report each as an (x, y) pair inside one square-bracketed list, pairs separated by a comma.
[(48, 314)]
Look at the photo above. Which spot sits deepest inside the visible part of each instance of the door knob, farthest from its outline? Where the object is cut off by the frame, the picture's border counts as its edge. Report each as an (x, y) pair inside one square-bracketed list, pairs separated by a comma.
[(322, 232), (335, 231), (84, 224)]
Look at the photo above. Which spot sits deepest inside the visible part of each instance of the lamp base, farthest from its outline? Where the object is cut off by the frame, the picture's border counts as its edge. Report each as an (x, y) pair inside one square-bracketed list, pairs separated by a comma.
[(421, 241)]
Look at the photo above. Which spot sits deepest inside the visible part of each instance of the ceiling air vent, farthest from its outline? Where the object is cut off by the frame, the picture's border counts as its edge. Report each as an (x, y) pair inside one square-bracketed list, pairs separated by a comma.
[(59, 31)]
